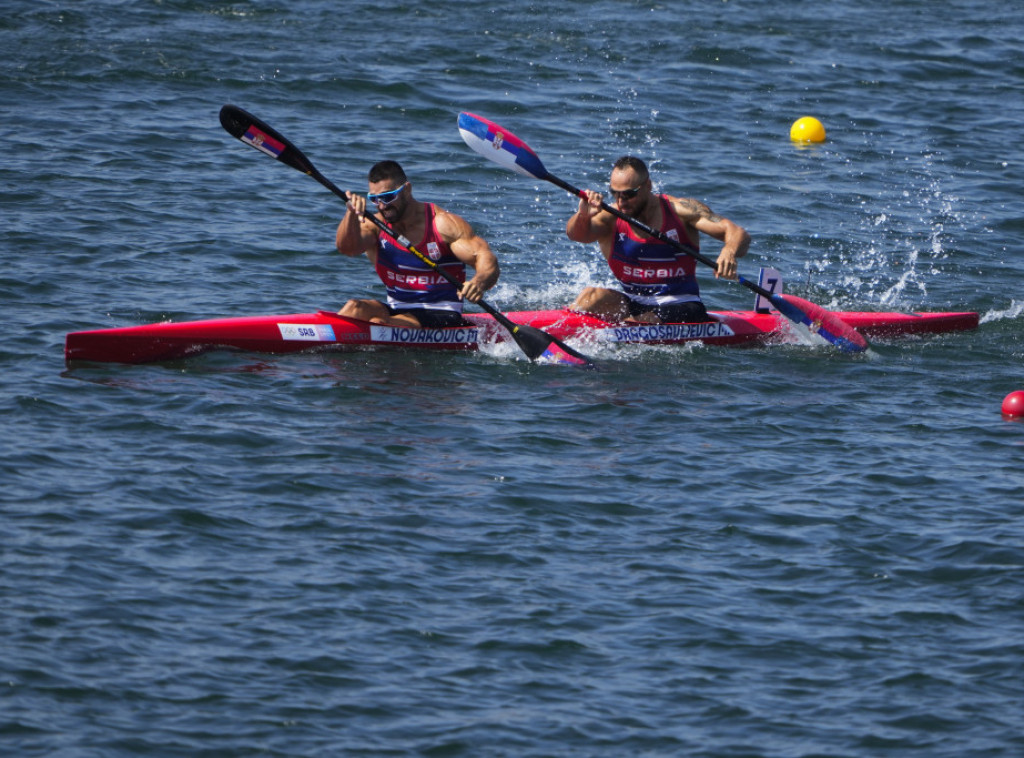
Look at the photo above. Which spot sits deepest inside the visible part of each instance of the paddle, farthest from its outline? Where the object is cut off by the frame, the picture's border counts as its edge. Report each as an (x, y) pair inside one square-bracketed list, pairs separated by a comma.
[(506, 149), (535, 343)]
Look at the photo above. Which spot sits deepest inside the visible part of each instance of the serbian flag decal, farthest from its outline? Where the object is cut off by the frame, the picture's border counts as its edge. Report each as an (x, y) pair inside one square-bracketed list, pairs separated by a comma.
[(262, 142), (500, 146)]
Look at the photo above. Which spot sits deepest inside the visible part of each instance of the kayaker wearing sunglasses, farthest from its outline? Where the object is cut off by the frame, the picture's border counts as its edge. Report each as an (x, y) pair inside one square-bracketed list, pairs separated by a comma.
[(659, 283), (417, 295)]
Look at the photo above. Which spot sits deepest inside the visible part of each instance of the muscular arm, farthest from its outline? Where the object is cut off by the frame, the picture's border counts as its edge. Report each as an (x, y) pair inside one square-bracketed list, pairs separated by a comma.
[(735, 239), (472, 250), (590, 223), (356, 234)]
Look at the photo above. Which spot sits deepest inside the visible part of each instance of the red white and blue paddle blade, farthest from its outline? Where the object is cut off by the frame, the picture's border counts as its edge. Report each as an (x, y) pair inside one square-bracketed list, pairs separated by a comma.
[(565, 355), (821, 322), (542, 347), (500, 145)]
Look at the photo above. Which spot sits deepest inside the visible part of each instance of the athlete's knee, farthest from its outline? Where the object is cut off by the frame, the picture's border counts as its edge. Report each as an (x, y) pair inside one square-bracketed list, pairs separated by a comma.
[(353, 309), (587, 296)]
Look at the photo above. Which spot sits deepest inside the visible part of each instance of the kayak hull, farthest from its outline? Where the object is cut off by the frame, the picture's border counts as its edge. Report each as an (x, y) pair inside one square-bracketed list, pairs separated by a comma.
[(324, 330)]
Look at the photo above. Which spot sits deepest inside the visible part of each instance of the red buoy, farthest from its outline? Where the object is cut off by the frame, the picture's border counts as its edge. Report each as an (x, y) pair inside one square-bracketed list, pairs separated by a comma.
[(1013, 404)]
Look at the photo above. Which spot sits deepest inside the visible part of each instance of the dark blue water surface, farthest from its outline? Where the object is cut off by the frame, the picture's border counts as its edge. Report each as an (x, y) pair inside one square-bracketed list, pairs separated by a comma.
[(781, 551)]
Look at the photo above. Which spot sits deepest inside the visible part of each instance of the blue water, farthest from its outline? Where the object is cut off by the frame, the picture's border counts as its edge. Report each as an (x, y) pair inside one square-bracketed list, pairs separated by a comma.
[(780, 551)]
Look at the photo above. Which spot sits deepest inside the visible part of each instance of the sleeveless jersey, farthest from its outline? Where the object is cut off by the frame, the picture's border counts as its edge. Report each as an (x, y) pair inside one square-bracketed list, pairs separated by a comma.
[(653, 272), (410, 282)]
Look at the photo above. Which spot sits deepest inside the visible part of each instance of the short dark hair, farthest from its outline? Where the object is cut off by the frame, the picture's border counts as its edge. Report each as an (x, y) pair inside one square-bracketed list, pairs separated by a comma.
[(629, 161), (384, 170)]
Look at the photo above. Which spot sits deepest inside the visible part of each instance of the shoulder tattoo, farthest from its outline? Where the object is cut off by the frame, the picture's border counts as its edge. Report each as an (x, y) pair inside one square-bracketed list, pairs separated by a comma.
[(698, 208)]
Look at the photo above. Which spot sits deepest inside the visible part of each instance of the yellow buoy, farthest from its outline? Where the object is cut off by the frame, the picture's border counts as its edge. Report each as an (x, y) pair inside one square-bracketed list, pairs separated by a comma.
[(807, 129)]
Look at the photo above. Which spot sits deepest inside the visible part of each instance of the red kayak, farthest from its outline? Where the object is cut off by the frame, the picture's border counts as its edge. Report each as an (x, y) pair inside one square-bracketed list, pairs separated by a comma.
[(325, 330)]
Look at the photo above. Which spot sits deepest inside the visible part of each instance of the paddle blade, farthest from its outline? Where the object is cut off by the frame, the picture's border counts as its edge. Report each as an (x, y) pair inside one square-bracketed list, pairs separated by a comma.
[(820, 321), (558, 352), (538, 345), (500, 145), (258, 134)]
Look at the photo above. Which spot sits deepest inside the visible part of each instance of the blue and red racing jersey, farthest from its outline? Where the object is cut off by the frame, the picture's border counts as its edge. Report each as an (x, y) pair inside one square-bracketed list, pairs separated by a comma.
[(653, 272), (410, 282)]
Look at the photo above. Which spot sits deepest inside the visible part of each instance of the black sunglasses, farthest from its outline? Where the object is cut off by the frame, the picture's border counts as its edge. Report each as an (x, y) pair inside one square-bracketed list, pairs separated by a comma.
[(625, 194)]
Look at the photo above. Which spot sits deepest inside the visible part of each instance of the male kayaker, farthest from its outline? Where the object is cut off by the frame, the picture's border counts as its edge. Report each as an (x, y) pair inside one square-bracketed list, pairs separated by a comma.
[(659, 282), (418, 295)]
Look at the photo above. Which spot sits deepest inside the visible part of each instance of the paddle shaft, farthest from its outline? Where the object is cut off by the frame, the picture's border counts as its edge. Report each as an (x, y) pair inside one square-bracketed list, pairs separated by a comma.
[(500, 317), (535, 343), (802, 312), (501, 146), (270, 141), (404, 241), (655, 233)]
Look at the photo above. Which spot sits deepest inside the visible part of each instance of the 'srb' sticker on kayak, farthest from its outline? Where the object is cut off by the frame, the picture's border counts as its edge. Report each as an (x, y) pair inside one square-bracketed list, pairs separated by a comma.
[(307, 332)]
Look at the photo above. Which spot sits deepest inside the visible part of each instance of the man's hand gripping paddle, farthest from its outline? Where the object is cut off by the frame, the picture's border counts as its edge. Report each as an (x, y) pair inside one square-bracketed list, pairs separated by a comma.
[(506, 149), (535, 343)]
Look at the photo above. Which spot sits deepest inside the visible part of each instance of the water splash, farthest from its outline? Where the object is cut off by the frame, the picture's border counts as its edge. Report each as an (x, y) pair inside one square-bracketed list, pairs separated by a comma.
[(891, 255), (1007, 314)]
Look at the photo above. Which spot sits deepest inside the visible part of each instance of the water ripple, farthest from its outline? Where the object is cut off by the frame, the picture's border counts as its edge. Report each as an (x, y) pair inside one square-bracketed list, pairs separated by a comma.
[(702, 551)]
